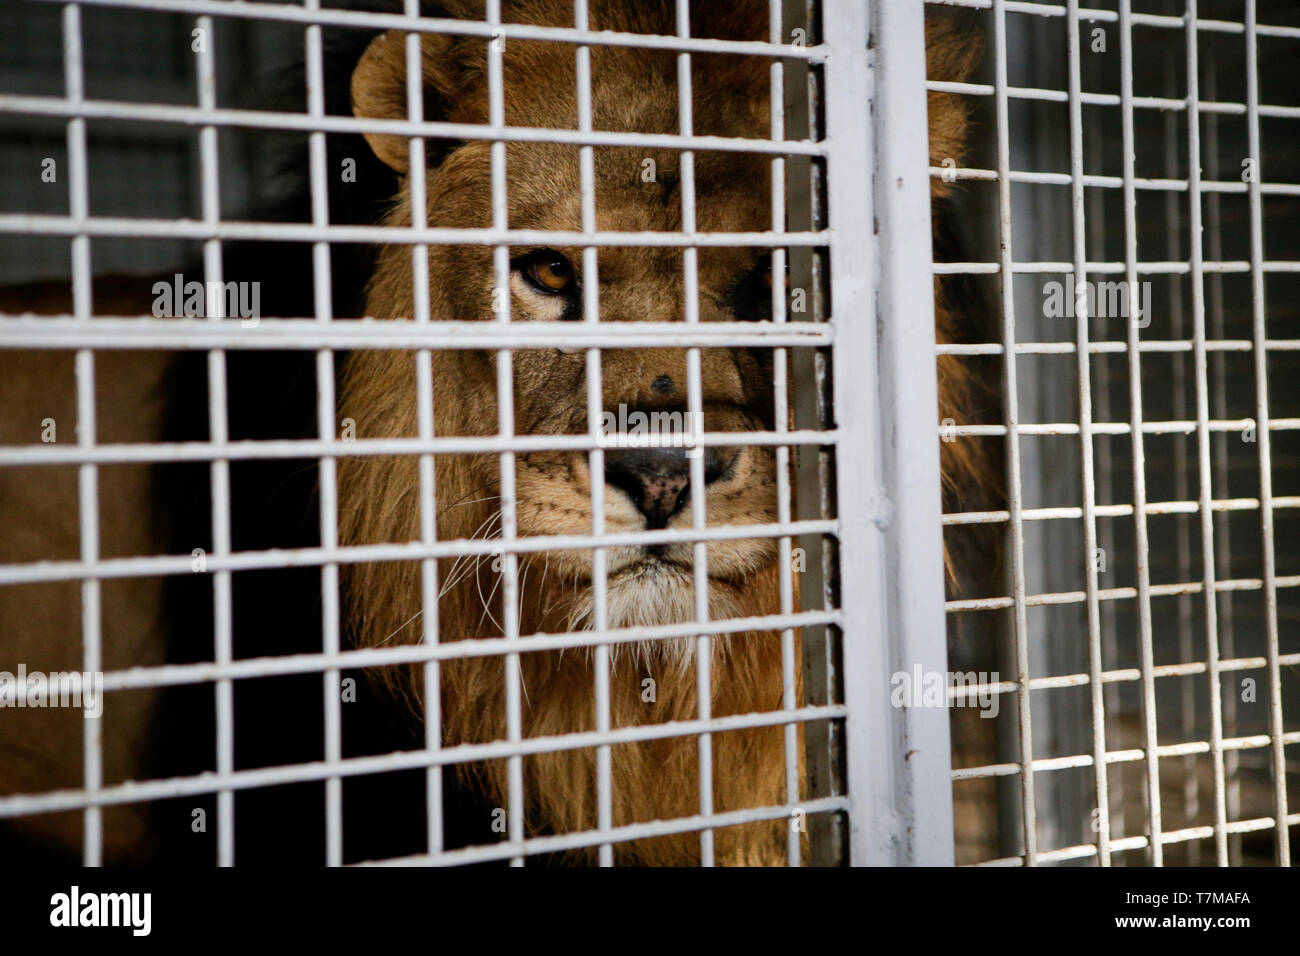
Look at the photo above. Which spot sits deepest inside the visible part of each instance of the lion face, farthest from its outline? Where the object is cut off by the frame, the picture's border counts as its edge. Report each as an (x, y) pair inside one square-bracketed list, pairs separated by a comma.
[(642, 391)]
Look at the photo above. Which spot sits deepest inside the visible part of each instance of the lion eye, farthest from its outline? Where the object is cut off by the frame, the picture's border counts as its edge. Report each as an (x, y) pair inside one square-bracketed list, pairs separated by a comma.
[(548, 271)]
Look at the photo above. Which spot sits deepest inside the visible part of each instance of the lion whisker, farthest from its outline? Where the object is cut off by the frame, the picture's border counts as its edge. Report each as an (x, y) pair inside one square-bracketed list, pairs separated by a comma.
[(402, 626), (487, 603), (461, 502), (469, 563)]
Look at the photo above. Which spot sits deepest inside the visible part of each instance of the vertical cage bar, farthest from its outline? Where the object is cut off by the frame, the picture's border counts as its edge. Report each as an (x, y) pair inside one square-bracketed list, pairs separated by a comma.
[(695, 405), (1011, 410), (885, 386), (506, 428), (596, 458), (219, 469), (909, 407), (1118, 791), (1204, 472), (1259, 336), (847, 89), (429, 588), (1182, 481), (813, 473), (1146, 655), (88, 474), (1079, 243), (781, 418), (325, 405), (1219, 452)]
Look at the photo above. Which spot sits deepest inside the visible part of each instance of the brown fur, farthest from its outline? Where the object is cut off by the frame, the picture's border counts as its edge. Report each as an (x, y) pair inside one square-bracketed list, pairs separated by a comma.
[(379, 497), (40, 624), (951, 55)]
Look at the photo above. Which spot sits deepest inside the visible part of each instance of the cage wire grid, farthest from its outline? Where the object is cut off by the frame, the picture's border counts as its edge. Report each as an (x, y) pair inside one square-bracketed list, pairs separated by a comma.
[(910, 592), (1154, 830), (216, 335)]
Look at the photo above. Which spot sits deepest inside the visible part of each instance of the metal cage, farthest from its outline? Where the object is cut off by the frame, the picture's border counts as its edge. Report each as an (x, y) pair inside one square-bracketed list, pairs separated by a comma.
[(1061, 640), (1140, 473)]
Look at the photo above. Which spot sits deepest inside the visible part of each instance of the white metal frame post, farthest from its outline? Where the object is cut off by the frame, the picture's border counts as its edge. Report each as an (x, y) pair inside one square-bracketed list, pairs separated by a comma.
[(882, 310)]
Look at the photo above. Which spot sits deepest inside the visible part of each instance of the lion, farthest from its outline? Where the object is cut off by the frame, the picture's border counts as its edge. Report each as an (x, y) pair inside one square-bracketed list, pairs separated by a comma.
[(632, 90), (379, 497)]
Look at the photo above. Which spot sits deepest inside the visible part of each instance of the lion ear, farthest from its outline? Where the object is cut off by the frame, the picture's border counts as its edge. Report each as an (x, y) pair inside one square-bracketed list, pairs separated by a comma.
[(379, 87)]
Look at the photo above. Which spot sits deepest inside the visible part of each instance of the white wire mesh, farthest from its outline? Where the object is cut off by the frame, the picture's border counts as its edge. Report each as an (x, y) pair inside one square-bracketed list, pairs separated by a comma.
[(1158, 776), (217, 334), (1142, 633)]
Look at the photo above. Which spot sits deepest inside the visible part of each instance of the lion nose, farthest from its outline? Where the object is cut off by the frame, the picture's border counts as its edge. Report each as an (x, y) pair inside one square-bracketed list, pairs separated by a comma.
[(657, 479)]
